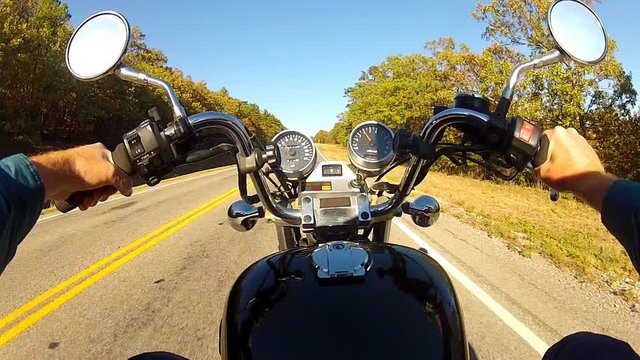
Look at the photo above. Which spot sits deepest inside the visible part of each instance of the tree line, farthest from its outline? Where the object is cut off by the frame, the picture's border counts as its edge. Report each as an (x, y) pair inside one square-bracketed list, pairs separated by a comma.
[(43, 107), (598, 101)]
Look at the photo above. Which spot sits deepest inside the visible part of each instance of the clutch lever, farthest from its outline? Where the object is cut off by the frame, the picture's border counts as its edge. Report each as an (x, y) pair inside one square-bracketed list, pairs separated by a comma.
[(384, 187), (204, 154)]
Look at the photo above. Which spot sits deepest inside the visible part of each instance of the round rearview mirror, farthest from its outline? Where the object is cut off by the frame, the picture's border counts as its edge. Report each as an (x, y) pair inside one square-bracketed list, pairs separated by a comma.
[(578, 31), (98, 45)]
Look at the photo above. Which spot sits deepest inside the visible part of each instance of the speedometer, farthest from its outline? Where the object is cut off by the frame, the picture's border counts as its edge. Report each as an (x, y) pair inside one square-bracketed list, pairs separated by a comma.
[(297, 154), (371, 146)]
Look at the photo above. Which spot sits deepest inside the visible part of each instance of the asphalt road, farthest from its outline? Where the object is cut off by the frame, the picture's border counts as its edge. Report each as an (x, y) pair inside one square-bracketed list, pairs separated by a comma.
[(167, 291)]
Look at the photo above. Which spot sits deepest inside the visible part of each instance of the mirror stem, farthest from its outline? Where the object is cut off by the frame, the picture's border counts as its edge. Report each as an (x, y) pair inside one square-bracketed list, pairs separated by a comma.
[(552, 57), (133, 75)]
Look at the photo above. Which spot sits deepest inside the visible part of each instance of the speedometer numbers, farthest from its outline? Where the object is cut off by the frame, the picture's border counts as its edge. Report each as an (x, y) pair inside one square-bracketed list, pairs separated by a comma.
[(297, 154), (371, 146)]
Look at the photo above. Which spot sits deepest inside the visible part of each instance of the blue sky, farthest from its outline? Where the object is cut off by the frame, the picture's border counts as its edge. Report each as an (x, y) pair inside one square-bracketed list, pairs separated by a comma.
[(296, 57)]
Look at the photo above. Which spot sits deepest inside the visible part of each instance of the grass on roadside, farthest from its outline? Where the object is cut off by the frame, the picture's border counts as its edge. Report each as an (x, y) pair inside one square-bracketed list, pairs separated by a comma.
[(567, 232)]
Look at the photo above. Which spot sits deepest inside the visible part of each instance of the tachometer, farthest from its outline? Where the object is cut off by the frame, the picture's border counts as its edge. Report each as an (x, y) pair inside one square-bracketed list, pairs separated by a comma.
[(297, 154), (371, 146)]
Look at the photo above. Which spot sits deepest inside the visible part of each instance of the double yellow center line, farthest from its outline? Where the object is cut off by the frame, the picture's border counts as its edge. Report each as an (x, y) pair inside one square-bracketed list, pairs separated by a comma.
[(108, 266)]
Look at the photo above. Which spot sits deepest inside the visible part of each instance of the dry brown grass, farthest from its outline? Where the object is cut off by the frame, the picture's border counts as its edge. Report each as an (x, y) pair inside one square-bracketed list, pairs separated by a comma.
[(567, 232)]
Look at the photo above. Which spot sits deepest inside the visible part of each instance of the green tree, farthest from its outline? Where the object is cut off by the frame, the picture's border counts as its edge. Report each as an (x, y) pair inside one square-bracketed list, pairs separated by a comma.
[(32, 70), (42, 106), (323, 137), (566, 94), (402, 90)]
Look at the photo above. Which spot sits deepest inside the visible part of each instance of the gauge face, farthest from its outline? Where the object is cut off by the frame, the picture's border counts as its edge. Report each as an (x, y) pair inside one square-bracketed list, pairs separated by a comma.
[(371, 146), (297, 154)]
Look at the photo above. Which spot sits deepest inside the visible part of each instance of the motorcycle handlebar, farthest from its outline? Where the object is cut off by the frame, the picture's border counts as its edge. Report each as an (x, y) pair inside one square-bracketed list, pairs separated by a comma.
[(429, 134), (238, 133), (121, 160)]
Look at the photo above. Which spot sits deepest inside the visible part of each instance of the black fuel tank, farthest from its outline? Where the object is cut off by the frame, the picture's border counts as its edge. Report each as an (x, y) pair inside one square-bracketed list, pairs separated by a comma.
[(404, 307)]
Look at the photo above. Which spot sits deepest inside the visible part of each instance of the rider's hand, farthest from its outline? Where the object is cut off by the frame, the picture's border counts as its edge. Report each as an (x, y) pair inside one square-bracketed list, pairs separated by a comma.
[(573, 166), (83, 168)]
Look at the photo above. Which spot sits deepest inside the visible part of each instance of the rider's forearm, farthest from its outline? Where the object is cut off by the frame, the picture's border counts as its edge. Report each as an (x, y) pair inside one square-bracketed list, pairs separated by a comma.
[(21, 200), (593, 187), (52, 167), (621, 216)]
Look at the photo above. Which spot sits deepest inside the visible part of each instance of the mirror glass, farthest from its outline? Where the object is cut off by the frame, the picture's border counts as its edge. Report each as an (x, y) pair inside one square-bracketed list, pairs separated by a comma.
[(98, 45), (578, 31)]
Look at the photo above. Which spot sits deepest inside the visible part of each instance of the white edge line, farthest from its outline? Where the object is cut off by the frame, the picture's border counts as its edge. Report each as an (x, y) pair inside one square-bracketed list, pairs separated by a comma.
[(320, 155), (142, 192), (516, 325)]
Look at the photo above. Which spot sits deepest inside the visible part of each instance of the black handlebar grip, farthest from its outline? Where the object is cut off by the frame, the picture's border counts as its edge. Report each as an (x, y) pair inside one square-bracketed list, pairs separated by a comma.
[(120, 159), (72, 202), (542, 155)]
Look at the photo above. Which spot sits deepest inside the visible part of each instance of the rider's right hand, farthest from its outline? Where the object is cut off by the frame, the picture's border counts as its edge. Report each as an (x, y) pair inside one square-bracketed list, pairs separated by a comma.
[(574, 166)]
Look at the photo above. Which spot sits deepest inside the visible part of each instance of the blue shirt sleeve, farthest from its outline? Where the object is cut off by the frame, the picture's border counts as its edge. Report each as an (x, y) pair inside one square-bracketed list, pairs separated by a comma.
[(621, 216), (21, 201)]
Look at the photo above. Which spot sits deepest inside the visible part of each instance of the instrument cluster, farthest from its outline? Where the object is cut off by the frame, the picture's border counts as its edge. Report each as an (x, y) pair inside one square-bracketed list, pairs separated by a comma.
[(297, 154), (370, 147)]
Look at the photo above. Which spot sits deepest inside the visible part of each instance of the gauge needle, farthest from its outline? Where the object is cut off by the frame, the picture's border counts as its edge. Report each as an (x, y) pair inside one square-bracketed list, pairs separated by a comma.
[(365, 134)]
